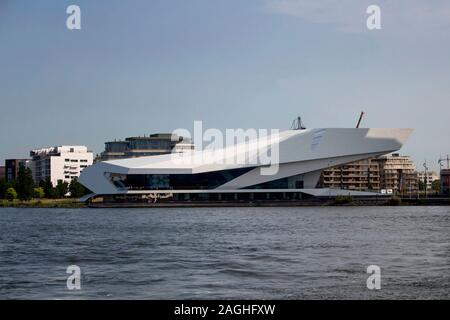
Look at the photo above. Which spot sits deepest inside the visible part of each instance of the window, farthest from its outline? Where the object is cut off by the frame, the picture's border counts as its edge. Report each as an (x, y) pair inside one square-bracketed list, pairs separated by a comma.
[(207, 180), (74, 160), (67, 177), (83, 160), (66, 160)]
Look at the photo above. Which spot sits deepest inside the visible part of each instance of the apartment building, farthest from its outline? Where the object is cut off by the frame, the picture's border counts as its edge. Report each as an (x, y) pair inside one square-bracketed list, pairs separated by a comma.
[(398, 173), (427, 177), (360, 176), (390, 172), (59, 163)]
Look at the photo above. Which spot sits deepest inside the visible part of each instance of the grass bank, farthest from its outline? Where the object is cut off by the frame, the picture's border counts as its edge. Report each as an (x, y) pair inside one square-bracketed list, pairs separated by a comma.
[(42, 203)]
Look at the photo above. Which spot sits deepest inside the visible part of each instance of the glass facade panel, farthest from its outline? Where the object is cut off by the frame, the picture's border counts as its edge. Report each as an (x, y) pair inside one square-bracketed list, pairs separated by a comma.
[(200, 181), (282, 183)]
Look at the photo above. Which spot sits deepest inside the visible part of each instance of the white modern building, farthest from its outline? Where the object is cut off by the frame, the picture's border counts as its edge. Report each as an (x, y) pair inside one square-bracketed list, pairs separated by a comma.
[(60, 163), (297, 160)]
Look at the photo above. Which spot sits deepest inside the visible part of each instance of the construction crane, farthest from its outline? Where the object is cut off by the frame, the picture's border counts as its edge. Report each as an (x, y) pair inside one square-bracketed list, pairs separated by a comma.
[(360, 119)]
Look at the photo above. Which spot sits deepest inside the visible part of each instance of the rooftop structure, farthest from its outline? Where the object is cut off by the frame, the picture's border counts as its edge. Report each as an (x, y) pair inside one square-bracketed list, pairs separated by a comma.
[(155, 144)]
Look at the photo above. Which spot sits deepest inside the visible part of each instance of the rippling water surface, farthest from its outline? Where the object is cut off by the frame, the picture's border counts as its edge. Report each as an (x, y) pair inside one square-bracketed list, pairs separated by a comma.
[(217, 253)]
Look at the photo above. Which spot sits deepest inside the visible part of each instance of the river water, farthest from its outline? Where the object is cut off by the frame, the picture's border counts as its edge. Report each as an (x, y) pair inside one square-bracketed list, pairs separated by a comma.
[(220, 253)]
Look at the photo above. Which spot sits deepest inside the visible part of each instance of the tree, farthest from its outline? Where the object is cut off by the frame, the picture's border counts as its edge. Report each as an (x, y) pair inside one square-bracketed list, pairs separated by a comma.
[(11, 194), (24, 183), (39, 193), (436, 185), (422, 185), (76, 189), (47, 186), (61, 189)]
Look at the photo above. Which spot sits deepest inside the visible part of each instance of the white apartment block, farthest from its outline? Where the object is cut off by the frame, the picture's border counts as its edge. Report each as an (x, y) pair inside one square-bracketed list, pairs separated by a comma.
[(60, 163)]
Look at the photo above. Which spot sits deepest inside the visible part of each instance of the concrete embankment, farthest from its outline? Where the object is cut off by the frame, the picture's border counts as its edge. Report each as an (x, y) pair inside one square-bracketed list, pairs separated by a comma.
[(71, 203), (298, 203)]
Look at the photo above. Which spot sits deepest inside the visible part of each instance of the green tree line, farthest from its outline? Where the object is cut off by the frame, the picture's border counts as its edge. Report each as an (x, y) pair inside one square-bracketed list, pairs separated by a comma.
[(24, 187)]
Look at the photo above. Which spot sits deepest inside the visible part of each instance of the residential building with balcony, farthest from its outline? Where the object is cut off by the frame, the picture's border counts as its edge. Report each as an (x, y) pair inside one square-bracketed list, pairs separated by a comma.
[(389, 172), (398, 173), (361, 175), (428, 177)]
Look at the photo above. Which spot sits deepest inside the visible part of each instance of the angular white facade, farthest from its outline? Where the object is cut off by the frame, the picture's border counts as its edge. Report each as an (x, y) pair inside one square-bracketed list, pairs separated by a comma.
[(301, 155)]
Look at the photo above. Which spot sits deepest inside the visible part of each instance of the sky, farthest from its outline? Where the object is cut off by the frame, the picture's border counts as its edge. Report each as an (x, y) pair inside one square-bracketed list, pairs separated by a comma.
[(145, 66)]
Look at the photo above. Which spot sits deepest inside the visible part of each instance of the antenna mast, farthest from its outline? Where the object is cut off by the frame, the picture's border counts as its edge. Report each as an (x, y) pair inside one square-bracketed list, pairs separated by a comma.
[(360, 119), (297, 124)]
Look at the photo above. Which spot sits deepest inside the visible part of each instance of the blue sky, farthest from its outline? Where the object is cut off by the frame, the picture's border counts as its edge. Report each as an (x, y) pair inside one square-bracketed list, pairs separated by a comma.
[(139, 67)]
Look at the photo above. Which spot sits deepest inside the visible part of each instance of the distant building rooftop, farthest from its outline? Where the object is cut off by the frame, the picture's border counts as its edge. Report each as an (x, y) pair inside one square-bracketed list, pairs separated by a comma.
[(58, 150), (141, 146)]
